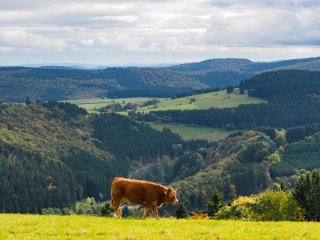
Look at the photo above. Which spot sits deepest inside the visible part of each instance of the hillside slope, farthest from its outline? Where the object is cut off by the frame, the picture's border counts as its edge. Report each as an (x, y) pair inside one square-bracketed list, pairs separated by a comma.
[(48, 159), (54, 154), (242, 159), (217, 99)]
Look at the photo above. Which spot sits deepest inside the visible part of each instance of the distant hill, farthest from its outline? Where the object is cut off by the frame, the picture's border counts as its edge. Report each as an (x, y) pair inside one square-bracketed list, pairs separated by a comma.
[(218, 64), (58, 83), (230, 71), (72, 82)]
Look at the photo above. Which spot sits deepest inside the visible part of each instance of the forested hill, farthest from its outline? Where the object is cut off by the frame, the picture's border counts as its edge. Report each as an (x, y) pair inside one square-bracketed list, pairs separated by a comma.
[(59, 84), (293, 100), (230, 71), (285, 85), (62, 83), (53, 154), (239, 64), (218, 64)]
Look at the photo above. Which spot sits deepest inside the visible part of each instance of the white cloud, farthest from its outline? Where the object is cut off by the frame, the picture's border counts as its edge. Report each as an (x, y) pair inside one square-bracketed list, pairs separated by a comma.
[(161, 29), (5, 49), (25, 40), (104, 40), (88, 42)]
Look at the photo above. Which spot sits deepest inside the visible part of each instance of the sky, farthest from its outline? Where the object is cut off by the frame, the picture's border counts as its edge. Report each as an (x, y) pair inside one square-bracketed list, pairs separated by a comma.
[(121, 32)]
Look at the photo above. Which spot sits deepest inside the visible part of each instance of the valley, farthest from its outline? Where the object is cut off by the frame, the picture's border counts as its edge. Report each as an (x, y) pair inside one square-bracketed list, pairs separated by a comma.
[(200, 142)]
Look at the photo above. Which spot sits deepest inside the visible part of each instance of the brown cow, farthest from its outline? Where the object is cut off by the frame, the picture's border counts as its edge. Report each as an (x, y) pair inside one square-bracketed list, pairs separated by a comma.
[(150, 195)]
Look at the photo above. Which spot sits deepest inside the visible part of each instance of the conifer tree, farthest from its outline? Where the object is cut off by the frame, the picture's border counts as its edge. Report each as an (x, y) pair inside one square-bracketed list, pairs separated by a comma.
[(215, 203), (28, 100), (307, 194), (241, 87)]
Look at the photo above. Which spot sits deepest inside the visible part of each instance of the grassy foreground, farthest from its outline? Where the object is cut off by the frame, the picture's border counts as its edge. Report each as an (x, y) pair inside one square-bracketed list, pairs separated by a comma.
[(85, 227)]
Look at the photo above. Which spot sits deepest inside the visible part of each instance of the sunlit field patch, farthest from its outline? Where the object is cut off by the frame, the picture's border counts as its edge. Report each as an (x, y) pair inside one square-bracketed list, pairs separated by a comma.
[(87, 227)]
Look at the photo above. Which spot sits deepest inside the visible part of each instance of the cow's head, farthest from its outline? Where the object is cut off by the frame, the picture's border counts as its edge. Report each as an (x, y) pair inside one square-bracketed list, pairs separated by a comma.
[(170, 195)]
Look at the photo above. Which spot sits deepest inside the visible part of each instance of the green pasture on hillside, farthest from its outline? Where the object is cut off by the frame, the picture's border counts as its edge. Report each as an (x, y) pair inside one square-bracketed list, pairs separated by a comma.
[(38, 227), (189, 132), (92, 104), (220, 99)]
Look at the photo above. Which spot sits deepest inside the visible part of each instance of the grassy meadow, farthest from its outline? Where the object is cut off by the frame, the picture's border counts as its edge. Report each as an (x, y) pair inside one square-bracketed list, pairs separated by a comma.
[(37, 227), (92, 104), (188, 132), (218, 99)]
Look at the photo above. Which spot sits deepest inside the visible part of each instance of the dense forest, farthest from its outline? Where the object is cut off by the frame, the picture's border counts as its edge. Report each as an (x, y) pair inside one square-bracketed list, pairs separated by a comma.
[(118, 134), (60, 84)]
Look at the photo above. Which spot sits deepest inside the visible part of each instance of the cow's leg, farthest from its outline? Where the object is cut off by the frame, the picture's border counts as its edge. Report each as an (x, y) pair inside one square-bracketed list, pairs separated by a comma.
[(146, 212), (155, 212), (117, 208), (119, 212)]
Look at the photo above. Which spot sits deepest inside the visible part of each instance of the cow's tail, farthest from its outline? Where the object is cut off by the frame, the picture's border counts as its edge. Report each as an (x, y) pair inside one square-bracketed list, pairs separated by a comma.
[(112, 201)]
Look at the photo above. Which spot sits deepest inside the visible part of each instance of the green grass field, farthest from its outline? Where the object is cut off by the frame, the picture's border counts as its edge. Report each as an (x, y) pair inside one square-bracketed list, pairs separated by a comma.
[(188, 132), (37, 227), (204, 101), (92, 104)]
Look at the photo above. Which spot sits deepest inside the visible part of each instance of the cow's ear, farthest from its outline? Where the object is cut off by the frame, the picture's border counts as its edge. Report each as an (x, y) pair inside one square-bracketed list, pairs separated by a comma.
[(175, 189), (165, 191)]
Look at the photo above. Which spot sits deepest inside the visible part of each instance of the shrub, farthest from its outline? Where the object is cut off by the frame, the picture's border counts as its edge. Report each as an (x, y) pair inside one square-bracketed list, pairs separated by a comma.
[(125, 211), (182, 211), (51, 211), (107, 210), (235, 211), (66, 211), (267, 206), (276, 206)]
